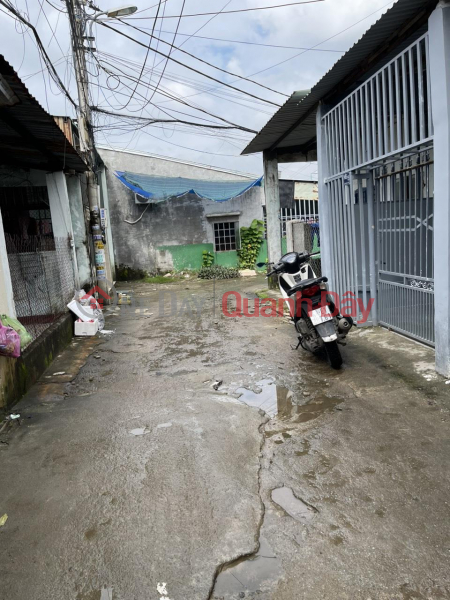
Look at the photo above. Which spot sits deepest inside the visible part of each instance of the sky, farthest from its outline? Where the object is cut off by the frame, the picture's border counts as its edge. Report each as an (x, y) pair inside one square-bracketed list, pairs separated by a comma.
[(115, 67)]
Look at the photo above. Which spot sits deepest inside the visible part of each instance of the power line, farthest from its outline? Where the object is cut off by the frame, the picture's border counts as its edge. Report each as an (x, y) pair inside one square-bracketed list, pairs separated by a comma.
[(150, 7), (211, 65), (45, 56), (150, 121), (320, 43), (308, 50), (170, 52), (41, 4), (187, 148), (240, 10), (190, 68), (202, 37), (146, 57), (178, 100), (195, 84)]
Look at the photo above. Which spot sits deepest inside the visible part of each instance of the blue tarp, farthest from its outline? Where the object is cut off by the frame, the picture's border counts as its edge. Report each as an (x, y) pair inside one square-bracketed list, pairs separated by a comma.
[(157, 189)]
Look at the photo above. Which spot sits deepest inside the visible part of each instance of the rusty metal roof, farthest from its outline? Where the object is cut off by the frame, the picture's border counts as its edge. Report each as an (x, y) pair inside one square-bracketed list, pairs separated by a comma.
[(294, 124), (29, 136)]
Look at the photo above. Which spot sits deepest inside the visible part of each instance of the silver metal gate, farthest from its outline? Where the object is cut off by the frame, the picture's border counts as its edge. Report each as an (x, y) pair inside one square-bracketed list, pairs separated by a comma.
[(404, 217)]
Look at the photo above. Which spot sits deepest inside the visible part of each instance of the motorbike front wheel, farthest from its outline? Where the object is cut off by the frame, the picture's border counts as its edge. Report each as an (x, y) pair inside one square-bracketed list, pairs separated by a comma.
[(334, 354)]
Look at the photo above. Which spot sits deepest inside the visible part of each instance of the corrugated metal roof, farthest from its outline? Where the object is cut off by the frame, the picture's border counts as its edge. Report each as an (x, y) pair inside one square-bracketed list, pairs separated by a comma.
[(298, 115), (29, 136)]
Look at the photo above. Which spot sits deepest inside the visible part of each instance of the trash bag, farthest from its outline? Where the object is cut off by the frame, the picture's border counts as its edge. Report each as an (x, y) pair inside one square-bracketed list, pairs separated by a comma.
[(25, 337), (9, 342)]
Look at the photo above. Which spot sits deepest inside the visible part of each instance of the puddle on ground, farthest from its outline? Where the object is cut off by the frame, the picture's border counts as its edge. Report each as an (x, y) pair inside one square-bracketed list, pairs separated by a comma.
[(314, 408), (248, 574), (273, 399), (293, 506)]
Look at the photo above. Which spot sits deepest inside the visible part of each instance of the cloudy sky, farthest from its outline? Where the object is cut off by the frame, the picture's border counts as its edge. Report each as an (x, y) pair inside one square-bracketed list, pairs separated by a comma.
[(331, 26)]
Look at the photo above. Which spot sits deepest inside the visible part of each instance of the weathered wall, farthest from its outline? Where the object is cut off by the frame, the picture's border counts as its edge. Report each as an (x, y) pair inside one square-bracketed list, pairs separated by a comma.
[(172, 234), (19, 374), (79, 228)]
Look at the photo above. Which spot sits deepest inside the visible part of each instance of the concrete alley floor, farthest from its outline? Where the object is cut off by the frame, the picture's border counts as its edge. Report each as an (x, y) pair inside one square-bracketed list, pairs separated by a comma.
[(132, 478)]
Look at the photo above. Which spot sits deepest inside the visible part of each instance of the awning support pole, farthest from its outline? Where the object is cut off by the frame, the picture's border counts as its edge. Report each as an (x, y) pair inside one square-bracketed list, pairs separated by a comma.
[(272, 195)]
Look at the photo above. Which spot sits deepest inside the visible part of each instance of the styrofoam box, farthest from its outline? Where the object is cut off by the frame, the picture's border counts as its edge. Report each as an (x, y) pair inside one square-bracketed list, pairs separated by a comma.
[(88, 328)]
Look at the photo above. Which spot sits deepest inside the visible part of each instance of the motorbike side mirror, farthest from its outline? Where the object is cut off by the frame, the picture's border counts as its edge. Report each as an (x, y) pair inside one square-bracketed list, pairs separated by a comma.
[(261, 264)]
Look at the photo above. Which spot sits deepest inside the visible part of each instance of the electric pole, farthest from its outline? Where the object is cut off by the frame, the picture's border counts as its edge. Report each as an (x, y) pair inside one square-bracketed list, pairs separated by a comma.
[(78, 19)]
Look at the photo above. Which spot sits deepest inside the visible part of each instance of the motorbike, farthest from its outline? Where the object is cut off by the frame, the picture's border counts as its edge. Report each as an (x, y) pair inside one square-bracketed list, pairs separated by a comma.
[(313, 312)]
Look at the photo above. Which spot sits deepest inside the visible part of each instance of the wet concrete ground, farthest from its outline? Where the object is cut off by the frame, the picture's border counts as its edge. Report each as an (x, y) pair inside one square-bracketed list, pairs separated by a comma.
[(133, 478)]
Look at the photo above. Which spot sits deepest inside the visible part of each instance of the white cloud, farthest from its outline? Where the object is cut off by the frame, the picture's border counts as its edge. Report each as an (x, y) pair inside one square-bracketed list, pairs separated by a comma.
[(301, 26)]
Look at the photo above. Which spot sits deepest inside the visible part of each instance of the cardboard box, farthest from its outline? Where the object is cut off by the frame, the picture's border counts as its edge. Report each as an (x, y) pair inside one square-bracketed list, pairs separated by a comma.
[(86, 327)]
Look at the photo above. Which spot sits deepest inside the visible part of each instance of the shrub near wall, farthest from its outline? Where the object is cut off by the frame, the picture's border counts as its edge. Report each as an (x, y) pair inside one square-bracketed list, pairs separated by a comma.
[(218, 272), (251, 240)]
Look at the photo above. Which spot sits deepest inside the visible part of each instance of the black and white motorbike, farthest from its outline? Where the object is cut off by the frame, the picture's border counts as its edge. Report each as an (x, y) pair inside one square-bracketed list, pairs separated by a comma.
[(318, 323)]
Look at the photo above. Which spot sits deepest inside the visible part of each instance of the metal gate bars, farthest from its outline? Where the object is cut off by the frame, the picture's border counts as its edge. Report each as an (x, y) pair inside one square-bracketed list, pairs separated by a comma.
[(404, 218)]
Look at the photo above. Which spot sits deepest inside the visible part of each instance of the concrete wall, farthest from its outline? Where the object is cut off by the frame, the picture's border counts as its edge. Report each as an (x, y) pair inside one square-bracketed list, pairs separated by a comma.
[(172, 234), (80, 234)]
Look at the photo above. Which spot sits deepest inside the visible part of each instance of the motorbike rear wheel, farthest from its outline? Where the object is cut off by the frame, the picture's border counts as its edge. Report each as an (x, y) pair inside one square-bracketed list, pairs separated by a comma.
[(334, 354)]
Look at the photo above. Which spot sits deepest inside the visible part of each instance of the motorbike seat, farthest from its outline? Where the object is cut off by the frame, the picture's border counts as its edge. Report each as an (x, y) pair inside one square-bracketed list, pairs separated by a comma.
[(306, 284)]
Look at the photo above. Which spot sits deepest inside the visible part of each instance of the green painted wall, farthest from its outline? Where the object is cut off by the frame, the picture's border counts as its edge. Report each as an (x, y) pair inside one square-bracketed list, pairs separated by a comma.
[(262, 256), (187, 256), (226, 259)]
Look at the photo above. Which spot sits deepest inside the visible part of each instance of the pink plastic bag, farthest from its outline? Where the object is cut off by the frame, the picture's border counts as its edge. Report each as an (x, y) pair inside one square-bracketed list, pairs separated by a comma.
[(9, 342)]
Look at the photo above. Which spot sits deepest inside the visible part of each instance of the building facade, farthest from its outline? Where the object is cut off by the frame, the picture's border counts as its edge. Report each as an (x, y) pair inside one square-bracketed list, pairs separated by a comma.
[(379, 123), (44, 245), (173, 234)]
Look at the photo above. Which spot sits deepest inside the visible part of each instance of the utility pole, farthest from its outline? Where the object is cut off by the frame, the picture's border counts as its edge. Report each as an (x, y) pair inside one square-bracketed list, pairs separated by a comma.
[(78, 19)]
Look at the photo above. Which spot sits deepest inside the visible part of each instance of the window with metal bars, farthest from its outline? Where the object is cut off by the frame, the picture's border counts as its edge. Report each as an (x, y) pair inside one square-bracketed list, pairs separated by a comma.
[(225, 238)]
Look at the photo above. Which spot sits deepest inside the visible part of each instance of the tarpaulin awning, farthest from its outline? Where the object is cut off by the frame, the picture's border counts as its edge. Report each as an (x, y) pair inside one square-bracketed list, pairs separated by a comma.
[(157, 189)]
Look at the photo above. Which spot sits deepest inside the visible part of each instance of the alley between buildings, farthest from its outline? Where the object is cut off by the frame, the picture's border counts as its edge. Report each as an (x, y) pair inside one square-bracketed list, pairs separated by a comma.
[(197, 457)]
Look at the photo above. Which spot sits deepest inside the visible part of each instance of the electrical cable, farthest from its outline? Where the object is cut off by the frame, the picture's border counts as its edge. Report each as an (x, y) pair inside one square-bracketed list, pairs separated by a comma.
[(213, 39), (178, 100), (191, 68), (149, 121), (240, 10), (208, 63), (45, 56), (191, 149), (194, 84), (170, 52), (309, 49), (146, 57), (320, 43)]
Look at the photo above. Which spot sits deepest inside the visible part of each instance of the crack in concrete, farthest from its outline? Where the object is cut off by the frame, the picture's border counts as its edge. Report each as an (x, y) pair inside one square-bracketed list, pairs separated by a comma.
[(249, 555)]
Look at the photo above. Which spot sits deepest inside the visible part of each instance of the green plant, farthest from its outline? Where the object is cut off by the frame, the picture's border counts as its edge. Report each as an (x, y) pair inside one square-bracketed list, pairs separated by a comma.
[(218, 272), (251, 240), (207, 258)]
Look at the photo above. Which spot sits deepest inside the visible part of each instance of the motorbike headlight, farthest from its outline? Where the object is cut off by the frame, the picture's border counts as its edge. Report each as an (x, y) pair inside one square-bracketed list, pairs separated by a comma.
[(323, 286)]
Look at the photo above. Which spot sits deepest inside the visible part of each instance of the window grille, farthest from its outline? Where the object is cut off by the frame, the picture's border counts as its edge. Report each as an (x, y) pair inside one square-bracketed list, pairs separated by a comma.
[(225, 237)]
